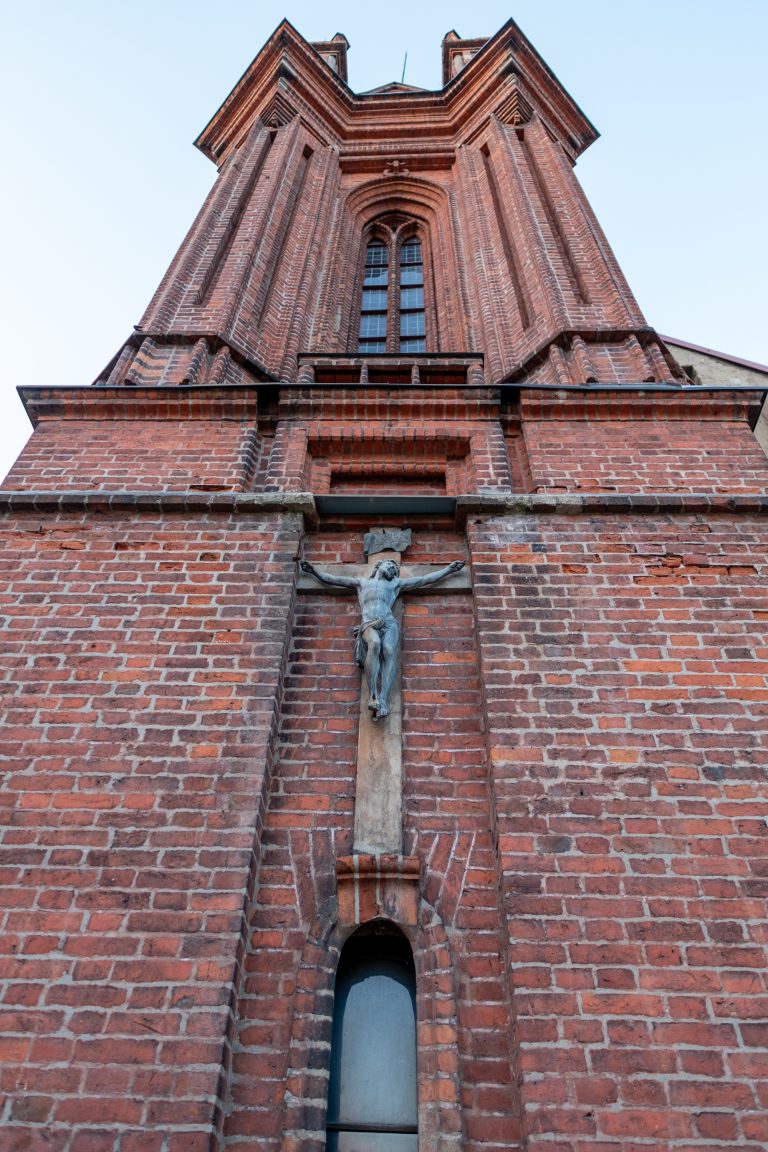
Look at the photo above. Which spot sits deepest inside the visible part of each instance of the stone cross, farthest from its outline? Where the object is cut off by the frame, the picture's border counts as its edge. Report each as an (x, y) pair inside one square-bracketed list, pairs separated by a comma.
[(378, 798)]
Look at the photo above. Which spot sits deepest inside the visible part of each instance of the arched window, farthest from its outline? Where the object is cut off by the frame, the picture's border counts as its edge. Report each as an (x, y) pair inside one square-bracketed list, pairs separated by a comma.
[(393, 315), (372, 1105)]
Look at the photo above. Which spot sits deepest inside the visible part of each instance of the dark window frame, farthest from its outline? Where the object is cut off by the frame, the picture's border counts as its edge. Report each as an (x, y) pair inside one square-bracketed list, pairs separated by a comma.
[(380, 951)]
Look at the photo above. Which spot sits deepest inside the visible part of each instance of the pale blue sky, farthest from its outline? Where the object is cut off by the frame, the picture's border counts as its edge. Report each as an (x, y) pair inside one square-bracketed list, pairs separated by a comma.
[(102, 99)]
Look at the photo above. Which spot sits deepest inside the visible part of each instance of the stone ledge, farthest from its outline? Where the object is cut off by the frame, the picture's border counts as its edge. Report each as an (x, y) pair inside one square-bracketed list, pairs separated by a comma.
[(606, 503), (524, 504), (213, 503)]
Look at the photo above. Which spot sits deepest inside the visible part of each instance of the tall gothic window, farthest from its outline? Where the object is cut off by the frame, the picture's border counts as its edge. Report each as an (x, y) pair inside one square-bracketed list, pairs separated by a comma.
[(373, 313), (392, 309), (412, 332), (372, 1093)]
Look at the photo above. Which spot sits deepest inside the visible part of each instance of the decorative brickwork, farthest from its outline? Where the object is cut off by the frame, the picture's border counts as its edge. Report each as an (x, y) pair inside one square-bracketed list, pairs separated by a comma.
[(271, 267)]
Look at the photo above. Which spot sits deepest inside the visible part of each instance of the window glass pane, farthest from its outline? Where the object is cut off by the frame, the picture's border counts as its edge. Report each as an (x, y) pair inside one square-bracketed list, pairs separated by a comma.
[(412, 298), (411, 323), (413, 346), (373, 324), (376, 277), (373, 1046), (374, 300), (377, 254), (412, 274), (410, 253), (373, 308)]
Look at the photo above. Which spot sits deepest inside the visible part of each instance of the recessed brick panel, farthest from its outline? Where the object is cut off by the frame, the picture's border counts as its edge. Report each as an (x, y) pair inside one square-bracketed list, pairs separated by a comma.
[(134, 455), (309, 826), (645, 455)]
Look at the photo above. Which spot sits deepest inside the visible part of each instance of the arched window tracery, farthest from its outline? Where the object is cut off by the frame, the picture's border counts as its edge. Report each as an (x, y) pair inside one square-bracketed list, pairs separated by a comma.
[(393, 314)]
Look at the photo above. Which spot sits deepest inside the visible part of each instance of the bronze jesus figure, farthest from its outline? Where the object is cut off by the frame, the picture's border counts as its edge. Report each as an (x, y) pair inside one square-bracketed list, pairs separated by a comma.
[(378, 634)]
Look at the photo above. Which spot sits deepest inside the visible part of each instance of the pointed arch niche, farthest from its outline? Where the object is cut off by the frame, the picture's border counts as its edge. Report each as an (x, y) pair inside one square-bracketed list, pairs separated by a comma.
[(393, 233), (379, 902)]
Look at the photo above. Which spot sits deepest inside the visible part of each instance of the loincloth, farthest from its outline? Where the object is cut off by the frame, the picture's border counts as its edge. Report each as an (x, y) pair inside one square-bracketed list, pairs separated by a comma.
[(380, 624)]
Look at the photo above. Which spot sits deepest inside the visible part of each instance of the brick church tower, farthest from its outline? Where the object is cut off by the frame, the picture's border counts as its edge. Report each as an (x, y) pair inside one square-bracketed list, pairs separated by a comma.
[(243, 907)]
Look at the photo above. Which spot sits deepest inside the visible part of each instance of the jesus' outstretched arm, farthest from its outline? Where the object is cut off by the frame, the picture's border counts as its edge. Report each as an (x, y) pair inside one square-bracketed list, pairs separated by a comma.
[(410, 582), (328, 577)]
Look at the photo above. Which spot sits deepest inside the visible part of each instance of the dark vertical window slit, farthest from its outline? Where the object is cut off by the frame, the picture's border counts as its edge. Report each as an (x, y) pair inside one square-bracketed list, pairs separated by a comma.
[(372, 1093)]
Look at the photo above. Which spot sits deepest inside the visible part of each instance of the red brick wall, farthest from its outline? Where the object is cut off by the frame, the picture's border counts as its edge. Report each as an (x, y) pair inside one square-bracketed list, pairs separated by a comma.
[(617, 697), (624, 666), (645, 455), (584, 734), (448, 825), (138, 455), (141, 660)]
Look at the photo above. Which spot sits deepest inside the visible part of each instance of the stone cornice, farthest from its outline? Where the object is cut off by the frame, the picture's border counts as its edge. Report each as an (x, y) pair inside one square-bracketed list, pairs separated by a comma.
[(687, 403), (461, 507), (200, 503), (506, 71), (120, 402)]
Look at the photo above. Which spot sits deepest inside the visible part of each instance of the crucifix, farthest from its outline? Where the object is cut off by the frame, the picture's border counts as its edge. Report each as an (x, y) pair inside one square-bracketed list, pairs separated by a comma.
[(378, 799)]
